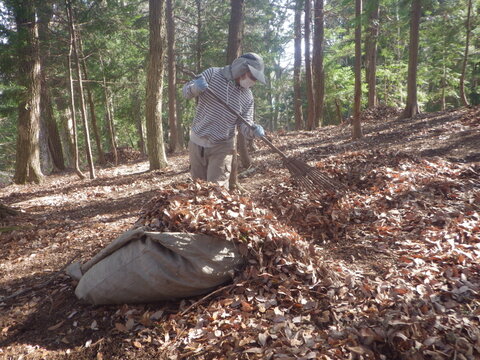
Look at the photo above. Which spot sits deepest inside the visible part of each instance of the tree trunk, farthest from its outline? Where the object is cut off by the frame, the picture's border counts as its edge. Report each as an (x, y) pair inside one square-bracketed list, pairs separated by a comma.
[(27, 166), (411, 108), (88, 147), (463, 97), (109, 121), (338, 108), (308, 67), (66, 130), (172, 79), (72, 102), (44, 14), (234, 48), (297, 66), (91, 104), (235, 30), (108, 116), (153, 108), (136, 115), (318, 72), (371, 51), (180, 127), (357, 129), (53, 133), (443, 103), (199, 48)]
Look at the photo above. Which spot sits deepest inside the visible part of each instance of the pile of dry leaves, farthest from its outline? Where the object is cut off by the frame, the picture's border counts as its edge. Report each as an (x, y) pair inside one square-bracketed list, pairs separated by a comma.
[(274, 303), (424, 213), (471, 117)]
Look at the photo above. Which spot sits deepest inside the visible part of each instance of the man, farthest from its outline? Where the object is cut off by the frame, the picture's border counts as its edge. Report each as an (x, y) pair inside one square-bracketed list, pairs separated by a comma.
[(213, 129)]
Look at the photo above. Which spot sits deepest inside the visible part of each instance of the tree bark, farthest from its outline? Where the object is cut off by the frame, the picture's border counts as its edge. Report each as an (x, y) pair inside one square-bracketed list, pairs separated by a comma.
[(180, 127), (308, 67), (357, 129), (411, 108), (136, 115), (371, 51), (27, 166), (153, 110), (88, 147), (66, 130), (297, 66), (318, 72), (235, 30), (463, 97), (198, 51), (108, 116), (44, 14), (91, 105), (172, 79), (72, 101), (234, 48)]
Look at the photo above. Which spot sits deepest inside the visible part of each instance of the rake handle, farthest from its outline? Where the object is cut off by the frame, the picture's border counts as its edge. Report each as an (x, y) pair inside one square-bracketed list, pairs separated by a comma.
[(263, 138)]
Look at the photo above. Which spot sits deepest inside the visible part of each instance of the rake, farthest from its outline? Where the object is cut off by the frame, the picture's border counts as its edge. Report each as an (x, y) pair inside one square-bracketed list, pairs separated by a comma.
[(308, 177)]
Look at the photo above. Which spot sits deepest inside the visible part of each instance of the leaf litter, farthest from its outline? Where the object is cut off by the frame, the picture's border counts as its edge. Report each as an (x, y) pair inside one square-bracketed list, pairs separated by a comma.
[(388, 270)]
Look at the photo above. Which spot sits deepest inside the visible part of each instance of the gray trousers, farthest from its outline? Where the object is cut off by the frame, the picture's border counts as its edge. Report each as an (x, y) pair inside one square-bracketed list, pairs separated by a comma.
[(211, 163)]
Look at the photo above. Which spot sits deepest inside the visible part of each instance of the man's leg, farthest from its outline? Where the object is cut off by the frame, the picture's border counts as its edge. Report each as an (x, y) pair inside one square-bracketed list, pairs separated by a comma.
[(198, 161), (219, 163)]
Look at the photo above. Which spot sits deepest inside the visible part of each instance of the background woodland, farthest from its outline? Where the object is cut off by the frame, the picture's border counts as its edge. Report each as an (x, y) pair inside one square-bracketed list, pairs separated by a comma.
[(81, 79)]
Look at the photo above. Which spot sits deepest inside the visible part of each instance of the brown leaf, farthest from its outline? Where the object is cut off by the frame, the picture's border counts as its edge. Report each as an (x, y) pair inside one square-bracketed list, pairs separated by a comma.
[(120, 327), (246, 307)]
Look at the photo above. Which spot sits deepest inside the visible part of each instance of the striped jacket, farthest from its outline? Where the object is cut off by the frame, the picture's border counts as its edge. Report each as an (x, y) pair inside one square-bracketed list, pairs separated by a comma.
[(213, 123)]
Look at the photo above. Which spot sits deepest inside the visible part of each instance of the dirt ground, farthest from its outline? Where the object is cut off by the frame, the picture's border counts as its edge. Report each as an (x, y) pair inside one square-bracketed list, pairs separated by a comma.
[(66, 219)]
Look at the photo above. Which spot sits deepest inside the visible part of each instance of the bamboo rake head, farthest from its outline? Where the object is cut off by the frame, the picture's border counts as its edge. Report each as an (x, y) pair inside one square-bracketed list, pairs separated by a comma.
[(310, 178)]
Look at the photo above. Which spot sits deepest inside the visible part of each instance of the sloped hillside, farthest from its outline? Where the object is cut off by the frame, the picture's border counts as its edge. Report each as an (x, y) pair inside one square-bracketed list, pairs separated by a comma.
[(388, 269)]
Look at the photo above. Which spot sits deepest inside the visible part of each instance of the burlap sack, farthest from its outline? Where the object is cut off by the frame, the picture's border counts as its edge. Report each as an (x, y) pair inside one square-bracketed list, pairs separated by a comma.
[(141, 266)]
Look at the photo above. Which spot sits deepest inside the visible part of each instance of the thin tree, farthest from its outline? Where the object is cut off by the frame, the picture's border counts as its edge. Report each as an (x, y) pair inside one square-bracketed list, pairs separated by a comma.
[(153, 108), (180, 127), (199, 49), (91, 105), (136, 115), (72, 103), (463, 97), (318, 72), (172, 79), (108, 115), (27, 166), (308, 67), (234, 48), (357, 129), (297, 66), (83, 112), (411, 108), (371, 50)]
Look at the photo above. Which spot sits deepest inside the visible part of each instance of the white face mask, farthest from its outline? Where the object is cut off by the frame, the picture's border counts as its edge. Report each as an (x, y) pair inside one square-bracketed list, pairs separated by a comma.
[(247, 82)]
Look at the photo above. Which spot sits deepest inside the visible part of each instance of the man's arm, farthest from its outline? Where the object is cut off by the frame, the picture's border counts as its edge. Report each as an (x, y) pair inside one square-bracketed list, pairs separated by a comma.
[(253, 130)]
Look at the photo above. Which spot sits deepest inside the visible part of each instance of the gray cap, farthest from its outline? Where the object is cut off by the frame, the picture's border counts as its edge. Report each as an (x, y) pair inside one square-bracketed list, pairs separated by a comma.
[(244, 63)]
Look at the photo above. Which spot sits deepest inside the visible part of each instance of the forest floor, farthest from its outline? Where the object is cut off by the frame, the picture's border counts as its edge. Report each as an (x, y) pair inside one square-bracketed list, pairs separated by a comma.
[(402, 247)]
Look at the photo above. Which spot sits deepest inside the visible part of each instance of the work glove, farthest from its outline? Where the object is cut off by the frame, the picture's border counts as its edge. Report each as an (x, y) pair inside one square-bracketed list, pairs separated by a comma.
[(201, 84), (258, 131)]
